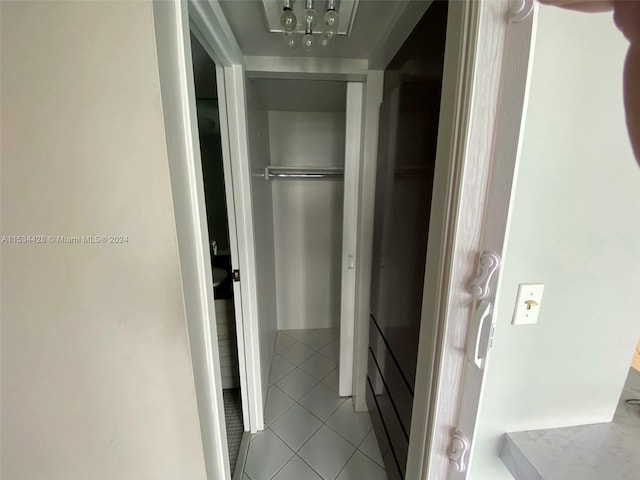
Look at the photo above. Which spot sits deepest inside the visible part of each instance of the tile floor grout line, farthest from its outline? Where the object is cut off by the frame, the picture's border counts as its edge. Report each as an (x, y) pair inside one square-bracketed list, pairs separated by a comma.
[(297, 366), (288, 460), (322, 423), (366, 454), (279, 416), (317, 351), (340, 435), (345, 465), (307, 464)]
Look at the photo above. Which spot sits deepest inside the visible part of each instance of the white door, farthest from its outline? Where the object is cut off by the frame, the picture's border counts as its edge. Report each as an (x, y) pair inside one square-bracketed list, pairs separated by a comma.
[(233, 243), (510, 122), (352, 160)]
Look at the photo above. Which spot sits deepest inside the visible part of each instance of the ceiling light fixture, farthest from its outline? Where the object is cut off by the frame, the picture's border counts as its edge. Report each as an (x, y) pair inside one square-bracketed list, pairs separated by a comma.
[(331, 17), (288, 19), (307, 40), (310, 14), (328, 30)]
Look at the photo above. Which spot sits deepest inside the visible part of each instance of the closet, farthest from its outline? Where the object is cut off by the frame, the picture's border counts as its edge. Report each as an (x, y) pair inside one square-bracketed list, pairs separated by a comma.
[(307, 142), (298, 131)]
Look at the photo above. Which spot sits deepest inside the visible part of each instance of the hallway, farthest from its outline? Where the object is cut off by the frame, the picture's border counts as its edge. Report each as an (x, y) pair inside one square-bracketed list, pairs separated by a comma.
[(311, 433)]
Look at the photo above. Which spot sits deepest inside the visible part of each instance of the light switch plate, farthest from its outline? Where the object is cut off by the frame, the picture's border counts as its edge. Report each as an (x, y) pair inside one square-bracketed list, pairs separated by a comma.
[(528, 303)]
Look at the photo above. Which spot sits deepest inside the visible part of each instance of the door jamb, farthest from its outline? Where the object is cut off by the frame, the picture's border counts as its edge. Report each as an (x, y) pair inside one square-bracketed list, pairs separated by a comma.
[(173, 22)]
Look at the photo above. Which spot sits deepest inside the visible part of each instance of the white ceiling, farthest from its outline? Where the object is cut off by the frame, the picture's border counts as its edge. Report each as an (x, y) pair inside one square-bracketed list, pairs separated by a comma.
[(374, 19)]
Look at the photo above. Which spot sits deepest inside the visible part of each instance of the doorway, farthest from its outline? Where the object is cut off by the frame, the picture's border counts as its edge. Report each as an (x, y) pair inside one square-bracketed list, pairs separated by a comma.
[(219, 241), (221, 41)]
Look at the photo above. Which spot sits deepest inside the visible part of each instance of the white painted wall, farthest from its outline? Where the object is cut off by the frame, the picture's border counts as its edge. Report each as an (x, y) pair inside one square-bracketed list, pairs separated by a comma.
[(307, 217), (263, 221), (575, 227), (97, 379)]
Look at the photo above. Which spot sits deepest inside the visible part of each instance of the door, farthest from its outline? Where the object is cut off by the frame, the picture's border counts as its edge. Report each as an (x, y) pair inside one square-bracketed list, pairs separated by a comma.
[(352, 159), (404, 182), (509, 123), (233, 244)]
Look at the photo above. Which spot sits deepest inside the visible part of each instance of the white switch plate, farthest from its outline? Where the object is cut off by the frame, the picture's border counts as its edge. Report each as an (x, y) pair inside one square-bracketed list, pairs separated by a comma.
[(527, 313)]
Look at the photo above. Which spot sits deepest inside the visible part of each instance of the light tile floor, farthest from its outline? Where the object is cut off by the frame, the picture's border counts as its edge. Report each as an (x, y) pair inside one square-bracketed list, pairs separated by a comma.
[(311, 433)]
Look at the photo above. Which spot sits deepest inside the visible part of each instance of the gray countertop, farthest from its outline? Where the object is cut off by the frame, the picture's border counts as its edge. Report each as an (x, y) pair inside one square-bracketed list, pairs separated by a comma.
[(605, 451)]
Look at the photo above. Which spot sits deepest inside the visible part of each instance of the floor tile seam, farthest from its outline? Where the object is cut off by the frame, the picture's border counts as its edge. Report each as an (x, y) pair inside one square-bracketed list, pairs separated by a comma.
[(347, 463), (287, 374), (340, 435), (315, 349), (303, 444), (303, 407), (325, 377), (283, 358), (305, 462), (369, 456), (303, 371), (325, 356), (365, 437), (282, 391), (288, 459), (284, 332), (323, 421), (329, 426), (287, 347), (301, 361), (279, 416)]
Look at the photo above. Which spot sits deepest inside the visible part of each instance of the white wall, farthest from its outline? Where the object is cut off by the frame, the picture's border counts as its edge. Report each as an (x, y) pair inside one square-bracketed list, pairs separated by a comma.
[(575, 228), (267, 285), (96, 372), (307, 217)]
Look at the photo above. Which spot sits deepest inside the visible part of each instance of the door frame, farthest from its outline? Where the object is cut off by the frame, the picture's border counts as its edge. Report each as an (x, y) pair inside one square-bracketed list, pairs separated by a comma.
[(509, 122), (485, 106), (464, 188), (174, 21)]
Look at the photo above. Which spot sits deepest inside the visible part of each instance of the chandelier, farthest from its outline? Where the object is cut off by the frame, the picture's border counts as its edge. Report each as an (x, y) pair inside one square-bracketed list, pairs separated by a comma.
[(308, 30)]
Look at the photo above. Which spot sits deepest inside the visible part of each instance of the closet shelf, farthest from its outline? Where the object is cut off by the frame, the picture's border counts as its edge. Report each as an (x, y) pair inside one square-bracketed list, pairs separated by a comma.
[(303, 173)]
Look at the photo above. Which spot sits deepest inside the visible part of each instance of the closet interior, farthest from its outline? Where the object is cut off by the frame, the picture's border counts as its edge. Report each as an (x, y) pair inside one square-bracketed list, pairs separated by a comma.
[(297, 151)]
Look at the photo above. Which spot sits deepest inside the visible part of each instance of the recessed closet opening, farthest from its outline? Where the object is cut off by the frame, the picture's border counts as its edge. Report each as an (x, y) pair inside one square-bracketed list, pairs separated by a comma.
[(304, 150), (297, 152)]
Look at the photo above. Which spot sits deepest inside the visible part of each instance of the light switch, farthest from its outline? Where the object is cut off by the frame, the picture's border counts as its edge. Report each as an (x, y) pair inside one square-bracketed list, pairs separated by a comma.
[(528, 303)]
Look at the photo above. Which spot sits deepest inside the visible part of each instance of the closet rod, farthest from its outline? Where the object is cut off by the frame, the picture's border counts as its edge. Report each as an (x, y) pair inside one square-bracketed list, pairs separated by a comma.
[(303, 173)]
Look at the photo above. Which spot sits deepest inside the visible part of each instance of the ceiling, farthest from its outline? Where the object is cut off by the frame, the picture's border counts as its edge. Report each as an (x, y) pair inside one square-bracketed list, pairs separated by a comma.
[(374, 19), (378, 25)]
